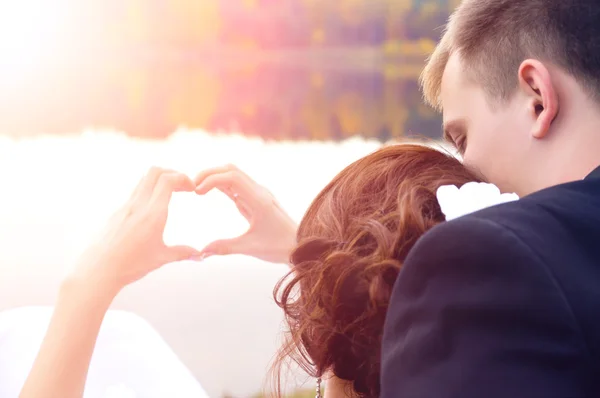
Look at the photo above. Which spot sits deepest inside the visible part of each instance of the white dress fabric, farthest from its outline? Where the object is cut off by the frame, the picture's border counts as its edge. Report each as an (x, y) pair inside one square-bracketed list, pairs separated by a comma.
[(131, 360)]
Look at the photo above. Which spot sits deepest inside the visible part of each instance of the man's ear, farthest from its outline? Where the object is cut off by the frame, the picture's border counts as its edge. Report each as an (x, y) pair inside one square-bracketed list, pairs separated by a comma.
[(536, 83)]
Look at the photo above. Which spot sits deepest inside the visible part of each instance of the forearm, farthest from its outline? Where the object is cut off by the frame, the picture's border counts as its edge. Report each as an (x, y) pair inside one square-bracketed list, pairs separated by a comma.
[(286, 242), (290, 243), (61, 367)]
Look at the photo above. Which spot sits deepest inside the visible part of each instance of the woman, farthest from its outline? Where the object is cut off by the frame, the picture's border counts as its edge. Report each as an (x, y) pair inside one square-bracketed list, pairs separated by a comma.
[(350, 248)]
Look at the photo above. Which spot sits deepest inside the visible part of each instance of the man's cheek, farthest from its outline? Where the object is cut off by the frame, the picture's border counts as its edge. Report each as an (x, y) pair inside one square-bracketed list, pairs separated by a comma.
[(479, 163), (471, 159)]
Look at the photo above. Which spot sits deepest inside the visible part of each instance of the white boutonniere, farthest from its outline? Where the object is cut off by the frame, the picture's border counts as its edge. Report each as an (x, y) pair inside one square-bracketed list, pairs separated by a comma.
[(471, 197)]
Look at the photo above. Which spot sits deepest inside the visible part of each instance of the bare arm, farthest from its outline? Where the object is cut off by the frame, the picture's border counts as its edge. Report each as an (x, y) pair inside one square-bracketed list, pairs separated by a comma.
[(131, 248), (64, 357)]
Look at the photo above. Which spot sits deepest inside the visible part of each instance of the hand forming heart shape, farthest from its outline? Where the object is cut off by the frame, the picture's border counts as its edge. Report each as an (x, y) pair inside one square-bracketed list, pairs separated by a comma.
[(271, 234)]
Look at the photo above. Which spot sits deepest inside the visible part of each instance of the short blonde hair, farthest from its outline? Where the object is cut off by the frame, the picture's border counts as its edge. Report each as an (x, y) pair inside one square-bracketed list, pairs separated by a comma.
[(493, 37), (431, 77)]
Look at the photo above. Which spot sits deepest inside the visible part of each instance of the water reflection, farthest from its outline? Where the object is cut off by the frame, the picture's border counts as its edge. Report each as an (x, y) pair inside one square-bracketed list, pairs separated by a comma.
[(268, 99)]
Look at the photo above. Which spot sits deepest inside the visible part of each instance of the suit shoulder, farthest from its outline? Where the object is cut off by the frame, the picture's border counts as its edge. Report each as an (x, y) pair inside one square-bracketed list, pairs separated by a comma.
[(535, 209), (469, 238), (524, 210), (526, 225)]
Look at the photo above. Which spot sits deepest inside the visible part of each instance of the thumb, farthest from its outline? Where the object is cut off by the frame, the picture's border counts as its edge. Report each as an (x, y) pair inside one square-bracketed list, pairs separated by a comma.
[(182, 253), (224, 247)]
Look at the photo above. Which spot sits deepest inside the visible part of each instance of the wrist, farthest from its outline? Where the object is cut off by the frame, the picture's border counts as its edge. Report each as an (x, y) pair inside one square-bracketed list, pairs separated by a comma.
[(86, 284), (289, 244)]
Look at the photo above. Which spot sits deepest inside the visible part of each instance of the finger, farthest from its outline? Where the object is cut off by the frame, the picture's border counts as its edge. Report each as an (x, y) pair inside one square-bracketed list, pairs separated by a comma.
[(231, 170), (215, 170), (180, 253), (167, 184), (230, 183), (223, 247), (146, 185)]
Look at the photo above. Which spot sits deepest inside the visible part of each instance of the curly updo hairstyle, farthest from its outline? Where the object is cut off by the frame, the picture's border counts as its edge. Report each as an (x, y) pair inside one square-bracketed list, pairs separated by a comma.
[(352, 242)]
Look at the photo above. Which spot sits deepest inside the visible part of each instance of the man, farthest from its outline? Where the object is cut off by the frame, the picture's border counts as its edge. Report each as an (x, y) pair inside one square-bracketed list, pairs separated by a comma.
[(506, 302)]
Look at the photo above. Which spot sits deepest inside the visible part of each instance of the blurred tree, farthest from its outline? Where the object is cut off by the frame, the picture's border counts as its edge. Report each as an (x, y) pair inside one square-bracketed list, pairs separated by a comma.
[(135, 82), (315, 109), (423, 21), (452, 4), (395, 112), (395, 11), (351, 12), (264, 23), (349, 109), (317, 12), (194, 22), (136, 22), (250, 4), (194, 98)]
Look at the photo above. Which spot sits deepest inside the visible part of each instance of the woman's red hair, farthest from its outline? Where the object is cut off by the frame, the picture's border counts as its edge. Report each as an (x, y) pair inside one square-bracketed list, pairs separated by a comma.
[(352, 242)]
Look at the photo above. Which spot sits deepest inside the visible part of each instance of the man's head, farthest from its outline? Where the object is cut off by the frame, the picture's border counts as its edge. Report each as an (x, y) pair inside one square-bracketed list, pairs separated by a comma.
[(519, 85)]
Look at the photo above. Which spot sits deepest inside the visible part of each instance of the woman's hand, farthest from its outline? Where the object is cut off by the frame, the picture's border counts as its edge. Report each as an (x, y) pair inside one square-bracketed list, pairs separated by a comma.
[(272, 233), (132, 246)]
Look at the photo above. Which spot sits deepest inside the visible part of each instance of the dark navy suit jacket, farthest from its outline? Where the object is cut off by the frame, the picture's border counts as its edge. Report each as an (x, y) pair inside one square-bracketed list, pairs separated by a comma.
[(501, 303)]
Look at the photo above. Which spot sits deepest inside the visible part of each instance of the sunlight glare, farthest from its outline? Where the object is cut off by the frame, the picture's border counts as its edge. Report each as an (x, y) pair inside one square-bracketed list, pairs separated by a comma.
[(29, 34)]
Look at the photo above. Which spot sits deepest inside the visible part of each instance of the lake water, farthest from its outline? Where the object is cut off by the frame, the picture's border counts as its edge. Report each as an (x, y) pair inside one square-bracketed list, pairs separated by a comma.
[(280, 97)]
